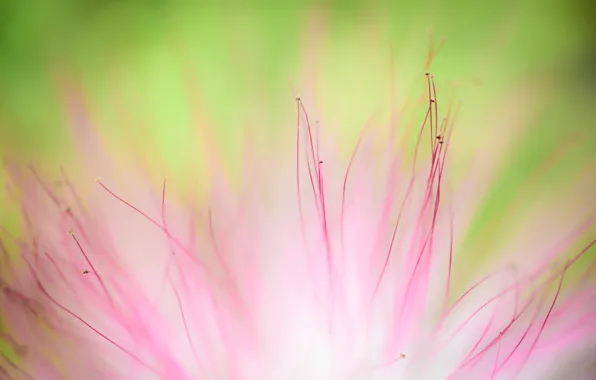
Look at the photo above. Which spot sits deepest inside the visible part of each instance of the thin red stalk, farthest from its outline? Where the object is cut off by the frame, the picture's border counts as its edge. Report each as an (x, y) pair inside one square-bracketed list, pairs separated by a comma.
[(173, 257), (345, 182), (74, 315), (408, 193), (450, 266), (188, 335), (544, 321), (58, 269), (103, 285), (72, 191), (430, 110), (54, 199), (497, 357), (311, 149), (508, 327), (155, 223)]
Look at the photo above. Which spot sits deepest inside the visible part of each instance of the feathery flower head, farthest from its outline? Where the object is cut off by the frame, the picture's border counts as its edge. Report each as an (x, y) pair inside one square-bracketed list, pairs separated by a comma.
[(312, 268)]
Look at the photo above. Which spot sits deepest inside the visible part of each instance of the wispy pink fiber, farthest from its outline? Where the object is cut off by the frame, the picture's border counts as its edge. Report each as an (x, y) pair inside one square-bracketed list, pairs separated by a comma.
[(315, 270)]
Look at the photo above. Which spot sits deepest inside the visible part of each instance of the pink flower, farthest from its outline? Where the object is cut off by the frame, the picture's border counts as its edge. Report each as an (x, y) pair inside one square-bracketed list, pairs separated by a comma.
[(310, 269)]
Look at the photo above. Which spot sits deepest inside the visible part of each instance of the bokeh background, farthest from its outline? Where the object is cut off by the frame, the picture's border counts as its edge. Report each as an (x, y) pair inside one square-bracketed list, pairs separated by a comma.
[(153, 73)]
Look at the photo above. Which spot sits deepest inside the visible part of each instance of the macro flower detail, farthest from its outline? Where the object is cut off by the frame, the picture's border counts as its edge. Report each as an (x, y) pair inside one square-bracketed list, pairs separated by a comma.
[(311, 268)]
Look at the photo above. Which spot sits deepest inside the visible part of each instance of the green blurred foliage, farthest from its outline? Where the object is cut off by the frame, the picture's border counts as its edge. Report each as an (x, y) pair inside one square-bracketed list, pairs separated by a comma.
[(235, 43)]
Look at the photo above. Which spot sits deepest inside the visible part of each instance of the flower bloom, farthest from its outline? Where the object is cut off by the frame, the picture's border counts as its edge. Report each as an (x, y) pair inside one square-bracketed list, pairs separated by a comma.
[(309, 270)]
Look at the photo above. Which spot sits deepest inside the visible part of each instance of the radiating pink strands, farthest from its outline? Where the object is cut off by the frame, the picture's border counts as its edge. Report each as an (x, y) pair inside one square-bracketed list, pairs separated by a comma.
[(316, 272)]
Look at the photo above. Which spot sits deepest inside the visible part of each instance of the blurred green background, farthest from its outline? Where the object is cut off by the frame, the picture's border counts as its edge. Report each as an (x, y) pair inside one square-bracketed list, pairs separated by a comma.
[(153, 72)]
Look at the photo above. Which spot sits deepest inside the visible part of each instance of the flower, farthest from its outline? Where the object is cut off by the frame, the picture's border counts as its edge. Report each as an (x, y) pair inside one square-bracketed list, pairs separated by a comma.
[(309, 270)]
